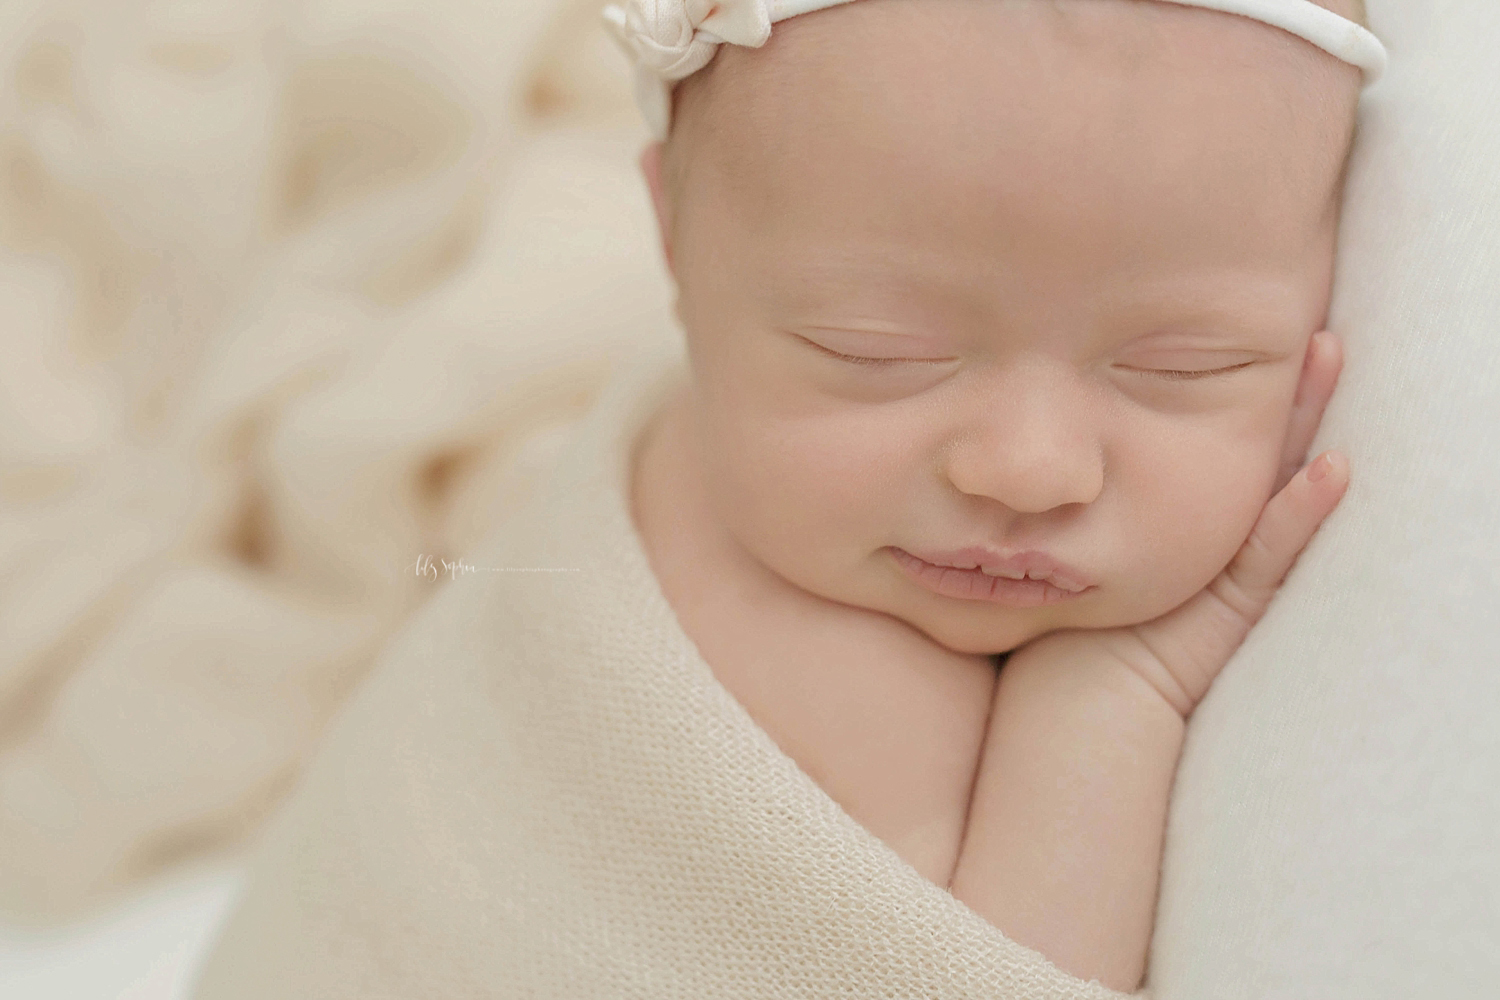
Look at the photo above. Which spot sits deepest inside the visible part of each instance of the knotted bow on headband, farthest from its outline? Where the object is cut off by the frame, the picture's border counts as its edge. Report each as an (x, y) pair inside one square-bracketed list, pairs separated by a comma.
[(671, 39)]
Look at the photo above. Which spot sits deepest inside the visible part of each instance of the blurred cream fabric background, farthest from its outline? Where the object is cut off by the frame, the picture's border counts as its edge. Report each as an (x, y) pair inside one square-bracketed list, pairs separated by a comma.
[(293, 297)]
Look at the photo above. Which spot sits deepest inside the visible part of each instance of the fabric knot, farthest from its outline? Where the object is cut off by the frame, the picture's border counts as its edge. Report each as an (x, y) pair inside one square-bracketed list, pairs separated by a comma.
[(672, 39)]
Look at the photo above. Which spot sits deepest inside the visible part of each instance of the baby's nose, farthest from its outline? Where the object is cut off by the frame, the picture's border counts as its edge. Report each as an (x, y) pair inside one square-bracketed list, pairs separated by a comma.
[(1031, 444)]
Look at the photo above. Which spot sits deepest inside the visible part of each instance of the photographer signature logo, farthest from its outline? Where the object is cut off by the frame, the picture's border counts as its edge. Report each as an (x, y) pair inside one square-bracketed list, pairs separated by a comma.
[(431, 567)]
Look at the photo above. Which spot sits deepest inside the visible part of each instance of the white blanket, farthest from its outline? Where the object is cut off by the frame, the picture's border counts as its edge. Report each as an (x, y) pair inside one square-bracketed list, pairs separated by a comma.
[(1335, 828), (543, 791)]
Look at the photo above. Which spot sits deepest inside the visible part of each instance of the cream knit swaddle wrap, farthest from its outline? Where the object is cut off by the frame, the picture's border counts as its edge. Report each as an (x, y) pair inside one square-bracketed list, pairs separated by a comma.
[(672, 39), (542, 791)]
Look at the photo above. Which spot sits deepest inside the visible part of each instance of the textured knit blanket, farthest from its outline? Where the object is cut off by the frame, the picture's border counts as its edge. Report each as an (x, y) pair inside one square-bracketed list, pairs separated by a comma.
[(543, 791)]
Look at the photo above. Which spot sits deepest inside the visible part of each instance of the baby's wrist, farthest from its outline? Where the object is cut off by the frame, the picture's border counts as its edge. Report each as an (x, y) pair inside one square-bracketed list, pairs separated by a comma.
[(1071, 664)]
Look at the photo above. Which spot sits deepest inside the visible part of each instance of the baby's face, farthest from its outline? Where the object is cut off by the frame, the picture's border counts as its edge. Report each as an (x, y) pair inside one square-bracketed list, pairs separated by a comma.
[(1031, 214)]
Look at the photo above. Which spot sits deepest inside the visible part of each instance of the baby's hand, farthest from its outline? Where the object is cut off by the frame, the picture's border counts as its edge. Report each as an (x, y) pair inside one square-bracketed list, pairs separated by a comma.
[(1182, 652), (1064, 833)]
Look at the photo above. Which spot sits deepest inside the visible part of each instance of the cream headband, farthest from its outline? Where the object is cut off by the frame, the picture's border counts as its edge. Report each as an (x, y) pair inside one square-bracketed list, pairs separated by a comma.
[(671, 39)]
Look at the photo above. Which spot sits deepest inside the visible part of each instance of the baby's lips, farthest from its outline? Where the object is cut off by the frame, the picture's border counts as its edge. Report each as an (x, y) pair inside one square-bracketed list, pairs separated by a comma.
[(1033, 563)]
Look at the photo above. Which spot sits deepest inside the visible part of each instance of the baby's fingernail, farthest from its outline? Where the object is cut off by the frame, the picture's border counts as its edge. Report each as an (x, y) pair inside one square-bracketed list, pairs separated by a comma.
[(1320, 468)]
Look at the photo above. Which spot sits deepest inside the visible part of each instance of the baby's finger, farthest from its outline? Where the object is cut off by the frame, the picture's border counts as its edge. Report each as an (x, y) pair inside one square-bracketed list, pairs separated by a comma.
[(1285, 527), (1320, 374), (1193, 642)]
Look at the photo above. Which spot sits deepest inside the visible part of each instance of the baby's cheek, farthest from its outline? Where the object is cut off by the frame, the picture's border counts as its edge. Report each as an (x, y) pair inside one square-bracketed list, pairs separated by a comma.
[(764, 482), (810, 498), (1205, 521), (827, 484)]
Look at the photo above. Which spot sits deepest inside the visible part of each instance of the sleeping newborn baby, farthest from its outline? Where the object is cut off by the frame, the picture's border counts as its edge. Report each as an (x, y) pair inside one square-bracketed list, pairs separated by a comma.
[(1004, 320)]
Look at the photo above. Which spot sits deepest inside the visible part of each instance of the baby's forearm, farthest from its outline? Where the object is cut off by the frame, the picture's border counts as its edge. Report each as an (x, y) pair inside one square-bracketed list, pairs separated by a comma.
[(1063, 845)]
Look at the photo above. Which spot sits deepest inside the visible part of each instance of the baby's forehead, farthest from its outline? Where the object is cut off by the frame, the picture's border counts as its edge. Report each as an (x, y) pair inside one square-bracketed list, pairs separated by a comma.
[(1161, 24), (1004, 140), (969, 57)]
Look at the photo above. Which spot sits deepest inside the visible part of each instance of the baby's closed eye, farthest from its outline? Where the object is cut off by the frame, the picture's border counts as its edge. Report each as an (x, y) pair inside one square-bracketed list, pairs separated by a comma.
[(1191, 373), (1167, 373)]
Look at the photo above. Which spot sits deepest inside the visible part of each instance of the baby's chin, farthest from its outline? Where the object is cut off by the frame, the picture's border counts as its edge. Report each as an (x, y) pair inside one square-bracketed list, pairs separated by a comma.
[(1008, 631), (989, 630)]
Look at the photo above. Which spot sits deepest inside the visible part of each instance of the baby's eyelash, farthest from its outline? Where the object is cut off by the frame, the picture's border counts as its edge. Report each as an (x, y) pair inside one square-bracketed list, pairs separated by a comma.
[(870, 361), (1175, 376), (853, 359)]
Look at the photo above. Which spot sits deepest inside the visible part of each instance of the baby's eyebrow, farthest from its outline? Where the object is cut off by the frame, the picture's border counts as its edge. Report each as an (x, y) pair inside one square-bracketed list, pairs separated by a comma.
[(847, 289), (1203, 333), (1199, 333), (1217, 307), (867, 328)]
